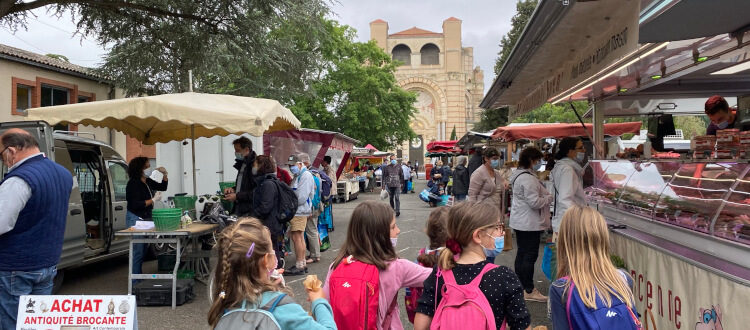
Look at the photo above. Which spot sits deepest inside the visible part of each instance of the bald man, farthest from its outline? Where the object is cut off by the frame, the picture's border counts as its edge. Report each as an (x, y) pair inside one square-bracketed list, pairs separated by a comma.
[(34, 202)]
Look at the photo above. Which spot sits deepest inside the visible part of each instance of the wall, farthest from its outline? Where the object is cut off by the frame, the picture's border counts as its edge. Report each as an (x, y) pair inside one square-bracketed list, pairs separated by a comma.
[(30, 74)]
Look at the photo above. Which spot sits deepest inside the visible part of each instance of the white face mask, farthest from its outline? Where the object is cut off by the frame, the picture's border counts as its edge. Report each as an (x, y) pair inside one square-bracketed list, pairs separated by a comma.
[(394, 240)]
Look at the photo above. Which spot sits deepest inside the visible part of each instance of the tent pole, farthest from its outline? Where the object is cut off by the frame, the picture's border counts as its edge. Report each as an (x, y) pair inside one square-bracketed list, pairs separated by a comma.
[(192, 146)]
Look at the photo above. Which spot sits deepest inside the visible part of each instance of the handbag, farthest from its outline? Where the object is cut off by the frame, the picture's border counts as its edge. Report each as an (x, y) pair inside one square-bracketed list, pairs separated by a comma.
[(508, 240), (549, 261)]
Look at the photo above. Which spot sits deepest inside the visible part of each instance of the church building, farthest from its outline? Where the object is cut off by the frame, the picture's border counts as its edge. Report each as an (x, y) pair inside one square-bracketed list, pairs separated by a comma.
[(440, 70)]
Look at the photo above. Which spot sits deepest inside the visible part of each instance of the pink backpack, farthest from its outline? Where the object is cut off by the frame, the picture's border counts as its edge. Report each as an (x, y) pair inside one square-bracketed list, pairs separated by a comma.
[(463, 306), (353, 292)]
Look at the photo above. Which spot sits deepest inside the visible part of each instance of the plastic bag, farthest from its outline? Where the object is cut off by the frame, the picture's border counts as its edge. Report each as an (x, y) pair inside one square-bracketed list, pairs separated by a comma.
[(549, 261), (383, 194)]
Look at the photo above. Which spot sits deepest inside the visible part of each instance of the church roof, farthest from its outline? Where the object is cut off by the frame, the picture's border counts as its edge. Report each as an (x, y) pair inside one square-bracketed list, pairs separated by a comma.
[(414, 32)]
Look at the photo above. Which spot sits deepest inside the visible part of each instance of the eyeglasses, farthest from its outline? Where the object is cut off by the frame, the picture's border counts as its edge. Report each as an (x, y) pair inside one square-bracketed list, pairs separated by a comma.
[(6, 148), (498, 227)]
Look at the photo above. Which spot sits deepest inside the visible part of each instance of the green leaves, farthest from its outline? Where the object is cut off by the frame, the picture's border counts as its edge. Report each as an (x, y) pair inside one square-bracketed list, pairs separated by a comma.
[(524, 10), (491, 119), (357, 93)]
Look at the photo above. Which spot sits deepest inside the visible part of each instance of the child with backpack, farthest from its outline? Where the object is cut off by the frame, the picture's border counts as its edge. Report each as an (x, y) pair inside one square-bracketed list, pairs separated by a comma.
[(428, 256), (363, 281), (590, 292), (243, 292), (469, 292)]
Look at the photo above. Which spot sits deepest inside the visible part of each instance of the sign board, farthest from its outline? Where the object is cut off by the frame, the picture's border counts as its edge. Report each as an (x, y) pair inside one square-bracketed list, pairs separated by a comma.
[(593, 51), (76, 312), (673, 294)]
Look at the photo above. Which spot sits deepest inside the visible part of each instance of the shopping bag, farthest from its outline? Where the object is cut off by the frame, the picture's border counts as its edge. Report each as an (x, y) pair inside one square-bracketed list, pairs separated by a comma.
[(409, 186), (383, 194), (326, 216), (425, 195), (325, 242), (549, 261), (508, 240)]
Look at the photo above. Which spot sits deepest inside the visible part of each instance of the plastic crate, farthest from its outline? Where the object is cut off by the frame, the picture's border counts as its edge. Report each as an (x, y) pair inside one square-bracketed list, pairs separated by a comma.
[(225, 185), (166, 219), (159, 292), (165, 261), (185, 274)]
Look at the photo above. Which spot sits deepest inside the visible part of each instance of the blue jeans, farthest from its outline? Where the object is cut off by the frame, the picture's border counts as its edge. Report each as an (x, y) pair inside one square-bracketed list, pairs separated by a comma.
[(14, 284), (460, 197), (139, 249)]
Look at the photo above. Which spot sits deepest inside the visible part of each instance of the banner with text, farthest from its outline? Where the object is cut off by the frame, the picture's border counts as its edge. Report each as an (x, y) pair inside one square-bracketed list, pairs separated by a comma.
[(673, 294), (76, 313)]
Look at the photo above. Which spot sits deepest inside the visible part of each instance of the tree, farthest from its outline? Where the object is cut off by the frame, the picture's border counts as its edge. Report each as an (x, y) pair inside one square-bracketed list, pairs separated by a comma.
[(491, 119), (557, 113), (256, 48), (58, 57), (691, 126), (453, 134), (524, 9), (14, 13), (356, 93)]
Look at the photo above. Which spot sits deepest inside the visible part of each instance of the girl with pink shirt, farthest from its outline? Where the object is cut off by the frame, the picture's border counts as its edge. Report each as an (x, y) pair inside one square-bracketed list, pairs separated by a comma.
[(370, 246)]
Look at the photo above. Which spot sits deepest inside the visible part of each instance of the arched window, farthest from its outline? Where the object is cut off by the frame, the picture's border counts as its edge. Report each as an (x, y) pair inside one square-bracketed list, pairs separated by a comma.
[(402, 53), (430, 54)]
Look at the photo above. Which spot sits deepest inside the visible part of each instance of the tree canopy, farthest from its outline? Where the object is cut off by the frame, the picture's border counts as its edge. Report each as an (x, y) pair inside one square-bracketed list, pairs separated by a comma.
[(491, 119), (524, 9), (357, 93)]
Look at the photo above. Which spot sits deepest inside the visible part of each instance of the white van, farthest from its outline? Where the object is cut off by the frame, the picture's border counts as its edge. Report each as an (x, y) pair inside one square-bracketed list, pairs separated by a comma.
[(97, 203)]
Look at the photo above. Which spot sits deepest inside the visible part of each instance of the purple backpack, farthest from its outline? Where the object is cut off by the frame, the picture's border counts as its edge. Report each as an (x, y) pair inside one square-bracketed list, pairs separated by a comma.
[(463, 306)]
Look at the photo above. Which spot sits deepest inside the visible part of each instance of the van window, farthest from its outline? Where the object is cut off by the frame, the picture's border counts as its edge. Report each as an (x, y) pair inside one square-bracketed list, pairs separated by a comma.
[(119, 174)]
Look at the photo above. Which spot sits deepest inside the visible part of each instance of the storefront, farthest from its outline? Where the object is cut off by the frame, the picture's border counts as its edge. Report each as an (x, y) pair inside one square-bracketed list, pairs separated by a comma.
[(686, 235)]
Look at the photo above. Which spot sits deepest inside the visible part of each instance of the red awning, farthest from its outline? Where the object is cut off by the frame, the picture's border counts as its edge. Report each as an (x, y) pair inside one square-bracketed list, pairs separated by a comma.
[(371, 147), (557, 131), (442, 146)]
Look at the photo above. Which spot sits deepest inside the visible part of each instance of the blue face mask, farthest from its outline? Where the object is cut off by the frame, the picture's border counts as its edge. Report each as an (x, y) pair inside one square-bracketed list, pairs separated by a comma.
[(294, 169), (499, 245), (393, 162), (495, 163), (723, 125), (538, 166), (580, 156)]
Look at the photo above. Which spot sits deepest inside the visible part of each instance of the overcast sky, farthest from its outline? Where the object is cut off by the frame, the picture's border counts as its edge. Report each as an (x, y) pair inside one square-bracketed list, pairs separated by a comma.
[(484, 24)]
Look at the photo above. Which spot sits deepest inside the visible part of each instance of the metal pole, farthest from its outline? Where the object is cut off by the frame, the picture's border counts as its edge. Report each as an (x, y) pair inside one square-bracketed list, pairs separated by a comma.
[(190, 80), (192, 146)]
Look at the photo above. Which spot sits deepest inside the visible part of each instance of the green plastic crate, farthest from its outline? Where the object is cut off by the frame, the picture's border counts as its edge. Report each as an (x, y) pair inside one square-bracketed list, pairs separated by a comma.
[(166, 219), (225, 185)]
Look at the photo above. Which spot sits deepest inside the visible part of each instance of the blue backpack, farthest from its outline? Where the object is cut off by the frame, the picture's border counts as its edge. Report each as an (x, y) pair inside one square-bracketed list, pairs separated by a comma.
[(619, 316), (325, 184)]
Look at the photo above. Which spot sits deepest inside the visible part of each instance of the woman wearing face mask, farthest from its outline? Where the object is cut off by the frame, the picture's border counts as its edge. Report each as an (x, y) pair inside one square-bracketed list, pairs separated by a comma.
[(486, 183), (139, 193), (567, 178), (266, 201), (529, 217)]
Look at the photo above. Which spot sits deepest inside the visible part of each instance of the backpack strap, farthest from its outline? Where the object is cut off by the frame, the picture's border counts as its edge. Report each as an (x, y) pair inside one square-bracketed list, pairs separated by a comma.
[(570, 297), (278, 301), (518, 176)]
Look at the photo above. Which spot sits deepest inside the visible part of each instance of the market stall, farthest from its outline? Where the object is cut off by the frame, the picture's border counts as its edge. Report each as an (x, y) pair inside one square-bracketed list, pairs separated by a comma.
[(680, 224)]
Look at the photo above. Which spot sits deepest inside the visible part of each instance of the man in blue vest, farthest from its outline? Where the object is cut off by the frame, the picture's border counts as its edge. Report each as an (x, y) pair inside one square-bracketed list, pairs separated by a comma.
[(34, 202)]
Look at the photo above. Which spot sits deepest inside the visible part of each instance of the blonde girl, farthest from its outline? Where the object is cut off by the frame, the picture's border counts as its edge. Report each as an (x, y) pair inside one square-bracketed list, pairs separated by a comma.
[(474, 229), (242, 282), (583, 263)]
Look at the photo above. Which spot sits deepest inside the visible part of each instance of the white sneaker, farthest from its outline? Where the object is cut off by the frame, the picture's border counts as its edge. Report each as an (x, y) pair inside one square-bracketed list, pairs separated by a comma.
[(535, 295)]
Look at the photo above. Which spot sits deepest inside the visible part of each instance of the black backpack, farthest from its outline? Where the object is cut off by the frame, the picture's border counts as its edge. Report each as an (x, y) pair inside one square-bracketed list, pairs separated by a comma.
[(287, 202)]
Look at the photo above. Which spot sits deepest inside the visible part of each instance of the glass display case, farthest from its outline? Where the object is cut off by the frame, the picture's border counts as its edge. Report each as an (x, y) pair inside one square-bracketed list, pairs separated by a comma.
[(707, 197)]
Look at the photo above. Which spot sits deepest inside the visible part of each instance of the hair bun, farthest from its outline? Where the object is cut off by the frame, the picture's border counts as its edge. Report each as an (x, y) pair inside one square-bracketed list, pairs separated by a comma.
[(453, 245)]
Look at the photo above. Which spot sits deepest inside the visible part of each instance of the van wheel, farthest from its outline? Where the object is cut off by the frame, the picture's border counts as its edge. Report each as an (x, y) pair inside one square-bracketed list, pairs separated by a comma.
[(58, 281)]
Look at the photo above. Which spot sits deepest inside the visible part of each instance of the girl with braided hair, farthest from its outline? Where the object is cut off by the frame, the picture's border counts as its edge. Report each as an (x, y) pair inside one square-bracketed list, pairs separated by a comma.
[(242, 282)]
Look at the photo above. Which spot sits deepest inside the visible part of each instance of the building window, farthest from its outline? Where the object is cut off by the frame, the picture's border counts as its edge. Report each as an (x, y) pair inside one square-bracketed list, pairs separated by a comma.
[(402, 53), (83, 99), (23, 97), (52, 95), (430, 54)]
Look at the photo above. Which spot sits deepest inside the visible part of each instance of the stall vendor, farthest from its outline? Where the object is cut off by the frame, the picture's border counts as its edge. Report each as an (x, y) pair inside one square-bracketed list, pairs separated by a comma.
[(722, 117)]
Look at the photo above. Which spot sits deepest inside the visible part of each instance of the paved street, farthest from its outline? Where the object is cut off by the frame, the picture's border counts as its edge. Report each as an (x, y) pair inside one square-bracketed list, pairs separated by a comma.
[(110, 277)]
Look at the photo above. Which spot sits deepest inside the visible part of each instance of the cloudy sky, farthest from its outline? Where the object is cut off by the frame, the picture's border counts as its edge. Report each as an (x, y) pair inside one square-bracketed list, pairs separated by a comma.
[(484, 24)]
